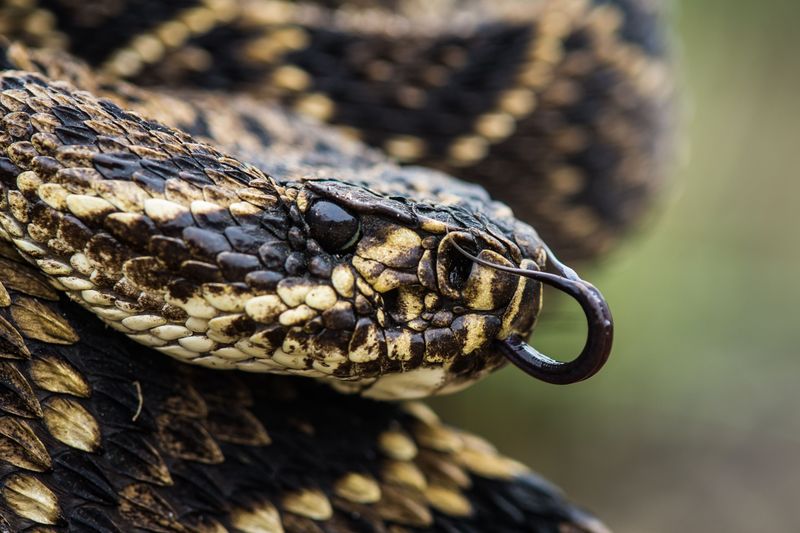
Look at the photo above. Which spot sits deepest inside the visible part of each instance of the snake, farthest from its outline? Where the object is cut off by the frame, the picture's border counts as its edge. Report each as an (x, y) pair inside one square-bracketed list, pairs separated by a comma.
[(169, 185)]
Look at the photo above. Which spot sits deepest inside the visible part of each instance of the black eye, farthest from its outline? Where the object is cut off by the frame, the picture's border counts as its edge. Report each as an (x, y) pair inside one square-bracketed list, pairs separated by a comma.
[(332, 227)]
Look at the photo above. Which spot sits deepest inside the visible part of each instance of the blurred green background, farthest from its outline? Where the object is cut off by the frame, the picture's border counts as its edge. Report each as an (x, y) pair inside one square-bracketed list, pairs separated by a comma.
[(693, 425)]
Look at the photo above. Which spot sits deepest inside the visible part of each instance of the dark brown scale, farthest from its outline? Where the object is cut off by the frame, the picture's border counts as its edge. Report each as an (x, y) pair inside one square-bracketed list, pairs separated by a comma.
[(196, 178), (177, 225), (116, 166), (236, 426), (217, 221), (8, 171), (314, 327), (339, 318), (73, 233), (187, 439), (75, 135), (46, 167), (106, 253), (170, 312), (439, 342), (12, 345), (83, 472), (136, 232), (150, 182), (362, 305), (240, 326), (467, 366), (236, 266), (161, 169), (295, 264), (205, 244), (190, 166), (172, 251), (272, 336), (16, 395), (246, 239), (147, 272), (321, 266), (69, 116), (297, 239), (180, 288), (265, 280), (273, 254), (442, 319), (200, 271), (44, 216), (233, 177), (275, 223), (366, 328)]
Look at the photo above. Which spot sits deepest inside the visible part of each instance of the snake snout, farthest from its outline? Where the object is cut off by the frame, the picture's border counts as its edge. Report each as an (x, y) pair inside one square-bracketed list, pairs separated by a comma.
[(519, 318)]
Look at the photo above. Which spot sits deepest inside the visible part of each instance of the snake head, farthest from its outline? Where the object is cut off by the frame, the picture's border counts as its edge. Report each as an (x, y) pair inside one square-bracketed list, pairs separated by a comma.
[(416, 316)]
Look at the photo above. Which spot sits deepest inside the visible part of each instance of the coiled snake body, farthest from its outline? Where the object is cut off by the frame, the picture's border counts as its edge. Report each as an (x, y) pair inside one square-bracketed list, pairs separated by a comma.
[(203, 221)]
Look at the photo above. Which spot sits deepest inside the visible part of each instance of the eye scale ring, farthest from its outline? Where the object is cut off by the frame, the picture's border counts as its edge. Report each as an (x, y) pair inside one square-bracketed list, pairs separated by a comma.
[(335, 229)]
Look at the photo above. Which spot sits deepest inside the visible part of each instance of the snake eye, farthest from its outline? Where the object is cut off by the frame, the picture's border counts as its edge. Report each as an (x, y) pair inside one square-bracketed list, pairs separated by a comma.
[(332, 227)]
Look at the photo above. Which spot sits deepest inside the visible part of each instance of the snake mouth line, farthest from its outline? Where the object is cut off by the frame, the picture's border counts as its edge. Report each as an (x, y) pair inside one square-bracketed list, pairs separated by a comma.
[(599, 338)]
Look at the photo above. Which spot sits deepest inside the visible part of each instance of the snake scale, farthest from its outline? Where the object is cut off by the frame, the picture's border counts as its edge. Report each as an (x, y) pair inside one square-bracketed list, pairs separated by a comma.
[(167, 186)]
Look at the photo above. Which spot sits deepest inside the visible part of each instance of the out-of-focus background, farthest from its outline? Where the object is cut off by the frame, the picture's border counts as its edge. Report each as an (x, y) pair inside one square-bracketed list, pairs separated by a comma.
[(693, 426)]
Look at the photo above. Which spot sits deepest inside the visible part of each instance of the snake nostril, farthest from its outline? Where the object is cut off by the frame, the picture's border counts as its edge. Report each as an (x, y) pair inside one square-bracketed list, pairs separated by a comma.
[(459, 269), (476, 278), (452, 267)]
